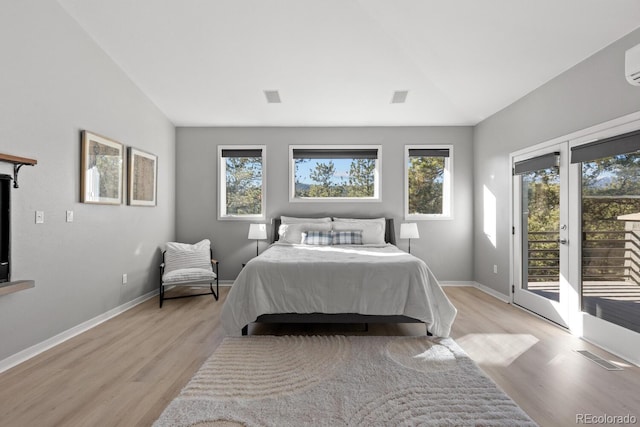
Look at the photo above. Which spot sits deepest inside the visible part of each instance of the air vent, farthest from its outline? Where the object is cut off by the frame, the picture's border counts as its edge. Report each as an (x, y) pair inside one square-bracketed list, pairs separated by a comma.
[(600, 361), (273, 97), (399, 97)]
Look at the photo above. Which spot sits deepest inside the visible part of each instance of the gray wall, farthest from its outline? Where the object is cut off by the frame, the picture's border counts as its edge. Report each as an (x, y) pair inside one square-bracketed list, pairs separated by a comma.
[(592, 92), (55, 82), (445, 245)]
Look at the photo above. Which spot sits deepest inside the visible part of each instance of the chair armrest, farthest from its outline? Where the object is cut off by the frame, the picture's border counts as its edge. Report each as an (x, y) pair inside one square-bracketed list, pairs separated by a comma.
[(214, 262)]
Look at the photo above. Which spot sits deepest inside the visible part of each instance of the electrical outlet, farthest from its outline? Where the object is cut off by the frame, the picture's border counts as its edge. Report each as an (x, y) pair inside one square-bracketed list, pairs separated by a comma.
[(495, 269), (39, 217), (69, 216), (124, 279)]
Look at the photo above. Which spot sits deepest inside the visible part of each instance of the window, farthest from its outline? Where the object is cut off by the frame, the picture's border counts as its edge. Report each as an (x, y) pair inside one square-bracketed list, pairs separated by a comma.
[(334, 173), (241, 183), (428, 181)]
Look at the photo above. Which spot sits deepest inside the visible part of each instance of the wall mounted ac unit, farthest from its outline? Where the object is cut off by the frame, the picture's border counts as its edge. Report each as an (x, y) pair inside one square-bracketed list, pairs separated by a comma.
[(632, 65)]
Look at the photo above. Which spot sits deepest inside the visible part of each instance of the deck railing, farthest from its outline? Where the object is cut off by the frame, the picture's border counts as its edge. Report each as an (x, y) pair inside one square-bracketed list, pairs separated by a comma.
[(607, 255)]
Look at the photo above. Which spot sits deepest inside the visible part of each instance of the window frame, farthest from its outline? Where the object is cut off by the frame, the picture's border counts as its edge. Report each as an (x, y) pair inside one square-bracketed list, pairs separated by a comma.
[(222, 184), (447, 184), (377, 181)]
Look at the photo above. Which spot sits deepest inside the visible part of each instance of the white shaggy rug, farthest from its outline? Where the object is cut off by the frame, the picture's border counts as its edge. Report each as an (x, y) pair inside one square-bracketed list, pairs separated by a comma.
[(340, 381)]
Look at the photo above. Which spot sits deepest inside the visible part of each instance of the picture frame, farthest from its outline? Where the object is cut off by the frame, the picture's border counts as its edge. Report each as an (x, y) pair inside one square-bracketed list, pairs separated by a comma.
[(102, 170), (142, 177)]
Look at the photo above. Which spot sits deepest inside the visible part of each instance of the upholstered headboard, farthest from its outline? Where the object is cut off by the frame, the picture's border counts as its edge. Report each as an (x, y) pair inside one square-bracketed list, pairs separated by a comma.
[(389, 232)]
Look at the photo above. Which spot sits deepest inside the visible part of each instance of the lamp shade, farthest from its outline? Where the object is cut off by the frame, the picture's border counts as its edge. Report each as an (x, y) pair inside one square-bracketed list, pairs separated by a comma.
[(409, 231), (257, 232)]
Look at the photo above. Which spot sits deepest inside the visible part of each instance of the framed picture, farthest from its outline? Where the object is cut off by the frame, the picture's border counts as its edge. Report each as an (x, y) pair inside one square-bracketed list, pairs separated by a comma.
[(143, 174), (102, 170)]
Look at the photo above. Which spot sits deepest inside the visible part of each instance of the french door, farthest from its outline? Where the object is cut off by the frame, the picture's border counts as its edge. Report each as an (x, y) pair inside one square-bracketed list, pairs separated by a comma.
[(540, 229), (576, 233)]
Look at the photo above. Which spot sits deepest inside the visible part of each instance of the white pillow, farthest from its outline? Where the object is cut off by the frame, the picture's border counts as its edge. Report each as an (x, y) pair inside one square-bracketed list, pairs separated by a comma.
[(292, 233), (183, 255), (297, 220), (372, 229)]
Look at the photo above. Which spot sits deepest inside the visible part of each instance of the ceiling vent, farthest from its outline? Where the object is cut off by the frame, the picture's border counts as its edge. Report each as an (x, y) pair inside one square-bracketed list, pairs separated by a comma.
[(273, 97), (632, 65), (399, 97)]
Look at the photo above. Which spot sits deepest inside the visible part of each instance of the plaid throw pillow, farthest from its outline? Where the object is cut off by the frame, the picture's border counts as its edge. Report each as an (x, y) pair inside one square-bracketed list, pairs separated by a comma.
[(352, 237), (316, 237)]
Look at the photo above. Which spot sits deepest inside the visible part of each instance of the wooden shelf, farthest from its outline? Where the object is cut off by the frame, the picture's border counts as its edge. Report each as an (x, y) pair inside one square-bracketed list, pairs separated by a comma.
[(17, 160), (18, 285)]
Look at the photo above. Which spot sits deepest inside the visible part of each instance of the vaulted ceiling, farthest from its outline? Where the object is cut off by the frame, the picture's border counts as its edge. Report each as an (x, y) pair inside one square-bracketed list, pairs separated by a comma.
[(339, 62)]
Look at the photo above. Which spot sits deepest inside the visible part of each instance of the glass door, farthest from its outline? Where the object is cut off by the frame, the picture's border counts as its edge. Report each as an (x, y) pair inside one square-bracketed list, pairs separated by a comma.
[(607, 217), (540, 233)]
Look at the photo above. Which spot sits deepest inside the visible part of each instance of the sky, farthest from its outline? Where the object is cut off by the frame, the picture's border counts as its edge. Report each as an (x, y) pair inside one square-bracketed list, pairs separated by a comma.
[(342, 169)]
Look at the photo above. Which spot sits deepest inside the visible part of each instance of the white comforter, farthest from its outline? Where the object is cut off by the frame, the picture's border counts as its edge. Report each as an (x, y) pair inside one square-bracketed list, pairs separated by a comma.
[(378, 280)]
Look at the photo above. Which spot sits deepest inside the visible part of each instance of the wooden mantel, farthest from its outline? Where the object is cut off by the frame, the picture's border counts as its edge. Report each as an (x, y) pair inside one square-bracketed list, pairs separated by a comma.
[(18, 162)]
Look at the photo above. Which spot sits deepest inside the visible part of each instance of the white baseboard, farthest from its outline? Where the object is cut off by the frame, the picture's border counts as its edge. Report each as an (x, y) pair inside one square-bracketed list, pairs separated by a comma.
[(479, 286), (490, 291), (458, 283), (45, 345)]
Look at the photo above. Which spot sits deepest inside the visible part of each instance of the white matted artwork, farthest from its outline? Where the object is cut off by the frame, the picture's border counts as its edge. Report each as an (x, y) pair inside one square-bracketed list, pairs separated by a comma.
[(143, 174), (102, 170)]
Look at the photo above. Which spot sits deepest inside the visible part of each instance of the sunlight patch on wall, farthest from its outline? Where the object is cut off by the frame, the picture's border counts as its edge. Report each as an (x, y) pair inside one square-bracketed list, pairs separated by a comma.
[(490, 216)]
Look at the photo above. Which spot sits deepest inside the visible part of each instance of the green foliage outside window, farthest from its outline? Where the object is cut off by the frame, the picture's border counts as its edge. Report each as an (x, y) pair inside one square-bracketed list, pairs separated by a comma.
[(243, 185), (426, 182), (324, 180), (541, 202), (610, 188)]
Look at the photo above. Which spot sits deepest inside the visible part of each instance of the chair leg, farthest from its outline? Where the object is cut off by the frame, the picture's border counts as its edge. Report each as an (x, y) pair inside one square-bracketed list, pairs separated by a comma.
[(161, 294), (215, 294)]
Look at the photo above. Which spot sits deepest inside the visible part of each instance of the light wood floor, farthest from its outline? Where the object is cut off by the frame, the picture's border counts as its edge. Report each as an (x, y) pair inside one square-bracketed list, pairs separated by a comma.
[(126, 370)]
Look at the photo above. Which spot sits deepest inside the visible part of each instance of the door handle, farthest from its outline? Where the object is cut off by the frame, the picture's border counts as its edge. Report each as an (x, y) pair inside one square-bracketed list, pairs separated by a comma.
[(563, 241)]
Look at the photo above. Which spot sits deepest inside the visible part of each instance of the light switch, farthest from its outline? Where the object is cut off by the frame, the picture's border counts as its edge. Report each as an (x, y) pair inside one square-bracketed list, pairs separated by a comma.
[(69, 216), (39, 217)]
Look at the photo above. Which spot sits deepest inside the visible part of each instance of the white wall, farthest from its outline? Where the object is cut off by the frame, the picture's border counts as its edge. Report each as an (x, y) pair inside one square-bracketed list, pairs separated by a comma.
[(54, 82), (590, 93), (445, 245)]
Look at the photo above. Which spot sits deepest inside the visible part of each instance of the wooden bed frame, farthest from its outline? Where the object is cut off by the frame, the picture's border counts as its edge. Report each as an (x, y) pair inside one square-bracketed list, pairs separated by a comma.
[(390, 237)]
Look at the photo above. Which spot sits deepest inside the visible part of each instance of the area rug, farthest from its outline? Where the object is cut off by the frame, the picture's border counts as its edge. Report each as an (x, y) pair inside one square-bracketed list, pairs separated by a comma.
[(340, 381)]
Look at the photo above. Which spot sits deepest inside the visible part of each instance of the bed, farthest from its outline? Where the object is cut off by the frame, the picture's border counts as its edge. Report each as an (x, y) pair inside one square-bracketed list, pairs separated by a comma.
[(369, 282)]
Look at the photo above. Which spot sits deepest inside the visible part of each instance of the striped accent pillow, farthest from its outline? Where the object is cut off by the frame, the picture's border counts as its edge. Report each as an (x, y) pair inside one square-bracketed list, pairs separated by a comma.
[(183, 255), (316, 237), (349, 237)]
